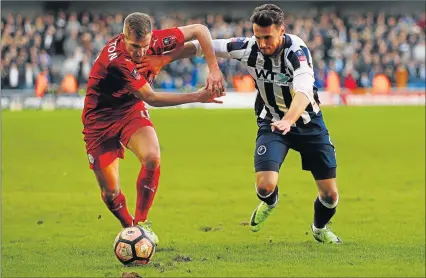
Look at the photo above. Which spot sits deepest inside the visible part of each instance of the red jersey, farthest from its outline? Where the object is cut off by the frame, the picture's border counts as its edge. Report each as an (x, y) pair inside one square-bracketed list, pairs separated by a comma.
[(114, 77)]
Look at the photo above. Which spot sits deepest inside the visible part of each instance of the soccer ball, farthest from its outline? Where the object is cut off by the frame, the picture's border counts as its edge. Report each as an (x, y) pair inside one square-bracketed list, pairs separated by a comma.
[(132, 246)]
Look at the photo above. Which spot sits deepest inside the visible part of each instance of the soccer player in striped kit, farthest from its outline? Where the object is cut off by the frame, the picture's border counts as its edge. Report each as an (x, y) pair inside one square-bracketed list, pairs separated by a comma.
[(287, 109)]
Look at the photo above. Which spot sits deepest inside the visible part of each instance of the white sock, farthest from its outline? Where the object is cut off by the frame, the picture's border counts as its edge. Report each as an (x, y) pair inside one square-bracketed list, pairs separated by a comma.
[(317, 229)]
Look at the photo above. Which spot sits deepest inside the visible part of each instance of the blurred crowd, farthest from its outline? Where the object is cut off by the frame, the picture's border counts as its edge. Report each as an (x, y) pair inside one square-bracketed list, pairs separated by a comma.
[(356, 47)]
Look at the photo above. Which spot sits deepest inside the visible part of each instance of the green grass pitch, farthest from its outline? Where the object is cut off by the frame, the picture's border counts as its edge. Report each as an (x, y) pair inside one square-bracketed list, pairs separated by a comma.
[(55, 224)]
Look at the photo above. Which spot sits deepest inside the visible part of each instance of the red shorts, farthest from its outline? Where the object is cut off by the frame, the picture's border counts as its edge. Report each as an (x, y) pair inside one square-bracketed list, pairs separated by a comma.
[(105, 139)]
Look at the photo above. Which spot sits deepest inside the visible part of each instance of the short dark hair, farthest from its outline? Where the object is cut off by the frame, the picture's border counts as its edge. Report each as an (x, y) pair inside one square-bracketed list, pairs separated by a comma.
[(138, 24), (267, 14)]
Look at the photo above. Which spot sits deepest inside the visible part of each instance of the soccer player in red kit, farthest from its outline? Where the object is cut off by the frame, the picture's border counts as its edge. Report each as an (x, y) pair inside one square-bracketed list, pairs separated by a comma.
[(114, 114)]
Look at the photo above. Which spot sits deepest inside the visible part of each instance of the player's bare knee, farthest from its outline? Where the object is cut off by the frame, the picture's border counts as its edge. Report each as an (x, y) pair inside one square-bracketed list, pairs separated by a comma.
[(110, 195), (265, 184), (329, 197), (265, 189), (328, 192), (151, 160)]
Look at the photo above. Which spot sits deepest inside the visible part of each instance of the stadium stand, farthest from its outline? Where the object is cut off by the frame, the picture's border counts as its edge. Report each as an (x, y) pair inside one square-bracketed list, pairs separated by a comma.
[(351, 51)]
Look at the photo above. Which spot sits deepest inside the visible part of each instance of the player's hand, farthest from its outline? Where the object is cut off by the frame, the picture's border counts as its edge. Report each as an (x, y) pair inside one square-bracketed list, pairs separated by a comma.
[(153, 63), (216, 83), (282, 125), (207, 96)]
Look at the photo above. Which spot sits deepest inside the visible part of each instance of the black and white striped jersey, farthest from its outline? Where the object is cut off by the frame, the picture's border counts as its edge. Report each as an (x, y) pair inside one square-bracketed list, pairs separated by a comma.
[(276, 78)]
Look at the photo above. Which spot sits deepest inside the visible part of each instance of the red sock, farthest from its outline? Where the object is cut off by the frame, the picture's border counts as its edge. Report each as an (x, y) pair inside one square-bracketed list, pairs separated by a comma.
[(146, 186), (118, 207)]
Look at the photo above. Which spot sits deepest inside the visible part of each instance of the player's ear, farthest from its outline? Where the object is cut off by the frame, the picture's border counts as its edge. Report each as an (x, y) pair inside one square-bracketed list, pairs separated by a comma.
[(282, 30)]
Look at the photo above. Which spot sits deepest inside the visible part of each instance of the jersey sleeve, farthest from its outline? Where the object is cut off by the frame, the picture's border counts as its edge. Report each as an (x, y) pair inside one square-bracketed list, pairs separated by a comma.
[(167, 39), (299, 60), (126, 70), (233, 48)]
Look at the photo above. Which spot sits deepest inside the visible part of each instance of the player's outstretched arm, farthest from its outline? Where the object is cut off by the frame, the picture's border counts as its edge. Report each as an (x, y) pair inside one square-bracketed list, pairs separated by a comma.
[(223, 48), (187, 51), (193, 48), (202, 34), (154, 63), (160, 99)]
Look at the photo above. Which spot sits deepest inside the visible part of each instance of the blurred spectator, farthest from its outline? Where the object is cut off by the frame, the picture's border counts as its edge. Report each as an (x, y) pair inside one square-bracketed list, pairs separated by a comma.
[(44, 59), (401, 77), (72, 26), (332, 82), (320, 78), (13, 76), (70, 66), (69, 85), (71, 43), (243, 83), (42, 84), (167, 81), (422, 21), (365, 81), (48, 41), (381, 84), (84, 70), (350, 82), (117, 25), (98, 43), (29, 76)]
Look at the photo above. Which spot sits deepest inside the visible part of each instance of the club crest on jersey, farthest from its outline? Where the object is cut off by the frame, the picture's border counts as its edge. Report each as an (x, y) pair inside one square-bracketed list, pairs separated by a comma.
[(268, 76), (300, 55), (169, 43), (136, 74), (238, 39)]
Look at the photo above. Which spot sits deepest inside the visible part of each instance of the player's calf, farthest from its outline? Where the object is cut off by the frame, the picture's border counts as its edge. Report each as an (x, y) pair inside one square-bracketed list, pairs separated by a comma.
[(324, 211), (325, 208), (144, 144), (326, 202), (116, 203), (111, 194), (146, 184), (267, 192)]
